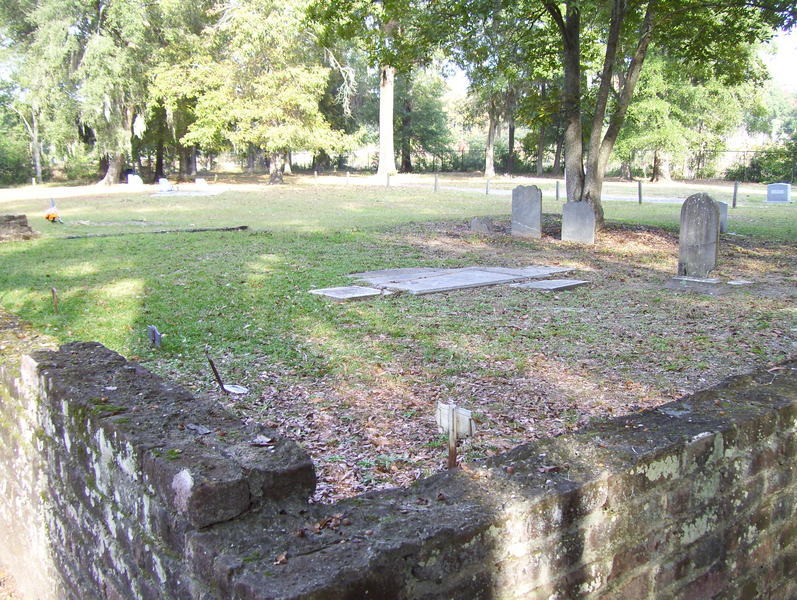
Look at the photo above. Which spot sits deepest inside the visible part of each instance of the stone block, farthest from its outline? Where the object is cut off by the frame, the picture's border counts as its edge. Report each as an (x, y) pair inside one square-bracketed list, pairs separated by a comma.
[(349, 293), (454, 279), (700, 285), (551, 285), (698, 239), (15, 227), (723, 207), (578, 223), (482, 225), (527, 212)]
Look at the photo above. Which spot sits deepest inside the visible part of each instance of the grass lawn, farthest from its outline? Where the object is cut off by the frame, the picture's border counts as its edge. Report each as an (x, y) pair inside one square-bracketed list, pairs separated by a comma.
[(357, 383)]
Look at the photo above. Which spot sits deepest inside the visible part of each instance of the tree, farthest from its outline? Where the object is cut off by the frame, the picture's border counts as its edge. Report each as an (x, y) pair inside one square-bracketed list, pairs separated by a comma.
[(619, 34), (382, 29), (421, 123), (676, 114)]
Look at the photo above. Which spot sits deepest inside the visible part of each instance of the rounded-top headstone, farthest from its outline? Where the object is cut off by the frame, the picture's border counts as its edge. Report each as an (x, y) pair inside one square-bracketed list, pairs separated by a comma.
[(527, 211), (698, 240)]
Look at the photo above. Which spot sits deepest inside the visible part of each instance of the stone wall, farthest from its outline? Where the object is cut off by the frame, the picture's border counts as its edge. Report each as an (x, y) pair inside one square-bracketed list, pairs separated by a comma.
[(119, 485)]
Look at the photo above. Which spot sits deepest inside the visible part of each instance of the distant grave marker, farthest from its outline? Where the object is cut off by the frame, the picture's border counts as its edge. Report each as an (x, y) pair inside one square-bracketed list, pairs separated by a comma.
[(457, 423), (779, 192), (15, 227), (527, 212), (135, 180), (578, 222)]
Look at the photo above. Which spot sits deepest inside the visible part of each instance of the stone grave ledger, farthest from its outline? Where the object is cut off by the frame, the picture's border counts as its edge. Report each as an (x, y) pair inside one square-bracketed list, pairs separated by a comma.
[(527, 212), (578, 222), (779, 192), (698, 240)]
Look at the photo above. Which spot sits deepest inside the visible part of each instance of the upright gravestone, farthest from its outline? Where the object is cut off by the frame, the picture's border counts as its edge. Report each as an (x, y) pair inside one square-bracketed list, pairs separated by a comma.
[(698, 241), (527, 211), (779, 192), (482, 225), (723, 207), (578, 222)]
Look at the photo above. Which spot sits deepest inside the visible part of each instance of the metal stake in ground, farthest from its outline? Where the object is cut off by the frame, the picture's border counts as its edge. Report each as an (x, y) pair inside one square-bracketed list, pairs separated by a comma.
[(215, 372), (735, 192), (452, 436), (54, 292), (639, 190), (435, 182)]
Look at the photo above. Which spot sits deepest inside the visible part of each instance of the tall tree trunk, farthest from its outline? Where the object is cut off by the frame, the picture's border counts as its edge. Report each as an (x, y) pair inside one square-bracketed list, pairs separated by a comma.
[(406, 124), (286, 167), (192, 170), (510, 159), (557, 156), (114, 172), (36, 146), (250, 159), (387, 159), (661, 167), (540, 150), (570, 30), (489, 151), (601, 145), (625, 170), (159, 160), (275, 168)]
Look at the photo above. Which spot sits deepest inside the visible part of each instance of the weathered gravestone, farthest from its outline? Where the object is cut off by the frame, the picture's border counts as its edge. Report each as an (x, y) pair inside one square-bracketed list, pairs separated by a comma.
[(779, 192), (578, 222), (15, 227), (527, 212), (698, 241), (482, 225), (133, 179), (723, 208)]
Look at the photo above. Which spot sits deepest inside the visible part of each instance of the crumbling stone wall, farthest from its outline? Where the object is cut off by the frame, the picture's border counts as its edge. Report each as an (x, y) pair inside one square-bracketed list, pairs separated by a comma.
[(695, 499)]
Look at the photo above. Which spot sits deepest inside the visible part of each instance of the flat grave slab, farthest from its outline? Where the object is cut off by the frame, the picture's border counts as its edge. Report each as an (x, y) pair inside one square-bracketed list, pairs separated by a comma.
[(384, 276), (530, 271), (349, 293), (550, 285), (456, 279), (702, 285)]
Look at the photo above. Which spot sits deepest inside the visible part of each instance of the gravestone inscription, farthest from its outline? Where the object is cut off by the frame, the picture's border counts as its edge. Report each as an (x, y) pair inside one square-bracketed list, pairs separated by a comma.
[(698, 240), (527, 212), (578, 222)]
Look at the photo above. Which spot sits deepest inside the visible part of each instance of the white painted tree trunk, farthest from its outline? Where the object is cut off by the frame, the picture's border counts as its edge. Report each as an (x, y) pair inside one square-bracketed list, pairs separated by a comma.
[(387, 158)]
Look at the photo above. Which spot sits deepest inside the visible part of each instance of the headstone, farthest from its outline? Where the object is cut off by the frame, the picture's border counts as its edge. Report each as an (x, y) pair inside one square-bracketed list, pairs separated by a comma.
[(134, 179), (348, 293), (482, 225), (155, 336), (779, 192), (698, 241), (15, 227), (165, 185), (527, 212), (578, 222), (551, 285), (201, 183), (723, 206)]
